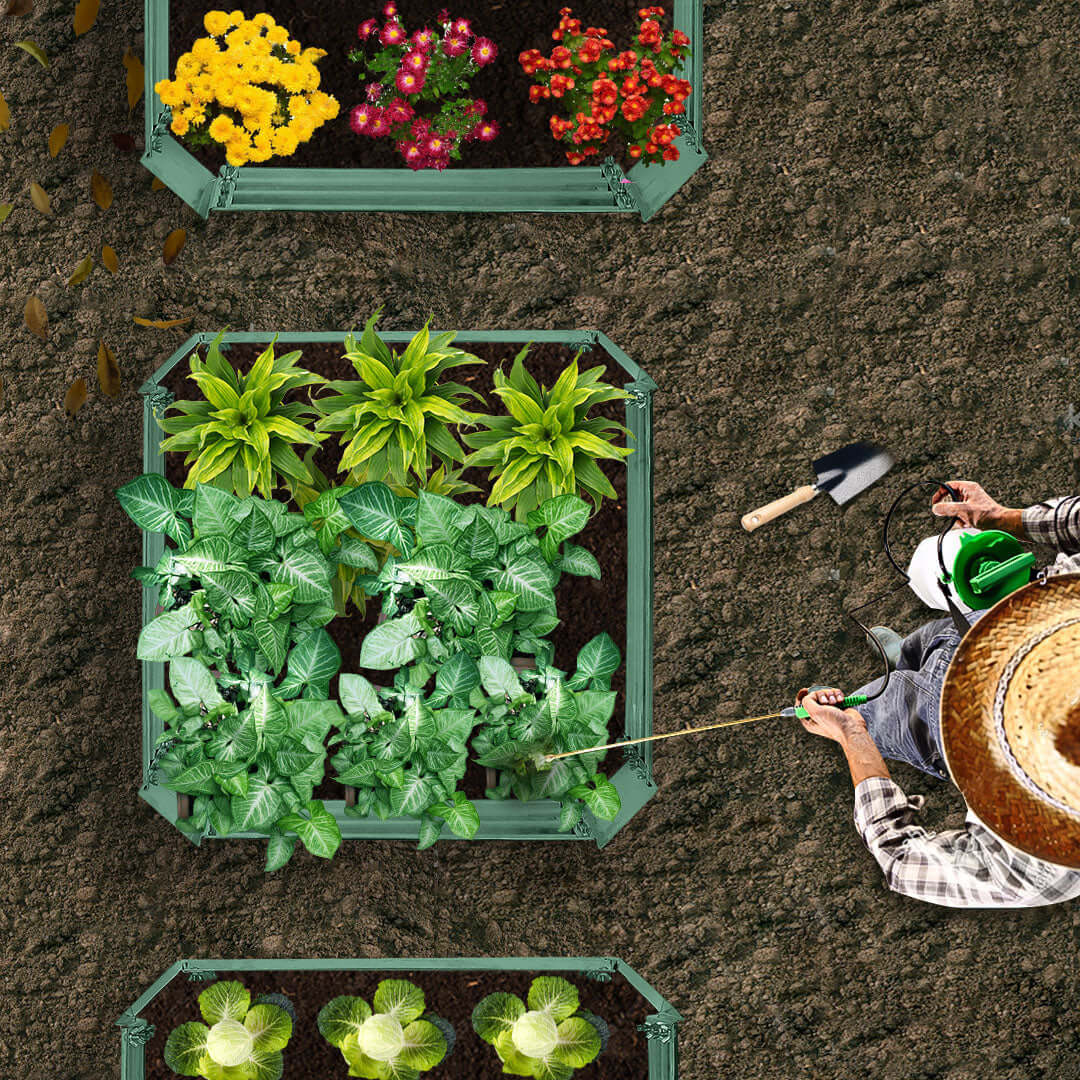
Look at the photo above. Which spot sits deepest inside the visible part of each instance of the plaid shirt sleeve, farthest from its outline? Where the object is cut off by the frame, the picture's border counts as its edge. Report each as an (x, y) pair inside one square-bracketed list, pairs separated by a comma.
[(1056, 523), (962, 868)]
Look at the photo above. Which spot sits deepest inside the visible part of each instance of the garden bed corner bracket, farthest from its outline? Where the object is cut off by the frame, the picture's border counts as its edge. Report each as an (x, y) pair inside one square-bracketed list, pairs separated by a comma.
[(159, 397), (150, 775), (660, 1027), (620, 186), (690, 134), (135, 1031), (584, 830), (636, 760), (224, 187), (197, 974), (586, 339), (602, 974), (639, 398), (157, 133)]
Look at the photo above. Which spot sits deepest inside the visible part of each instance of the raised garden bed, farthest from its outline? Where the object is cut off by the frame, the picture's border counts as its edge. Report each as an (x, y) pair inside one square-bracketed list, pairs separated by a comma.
[(523, 169), (619, 603), (642, 1040)]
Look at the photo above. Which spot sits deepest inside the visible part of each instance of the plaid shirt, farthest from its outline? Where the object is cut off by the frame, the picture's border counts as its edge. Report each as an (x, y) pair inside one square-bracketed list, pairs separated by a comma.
[(970, 867)]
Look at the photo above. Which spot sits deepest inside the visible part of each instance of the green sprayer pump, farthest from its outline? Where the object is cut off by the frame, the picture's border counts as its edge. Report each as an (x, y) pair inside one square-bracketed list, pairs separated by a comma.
[(988, 566)]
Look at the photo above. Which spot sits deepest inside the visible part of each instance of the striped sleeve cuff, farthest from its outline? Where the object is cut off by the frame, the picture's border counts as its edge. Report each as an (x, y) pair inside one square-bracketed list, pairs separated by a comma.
[(1055, 525), (879, 802)]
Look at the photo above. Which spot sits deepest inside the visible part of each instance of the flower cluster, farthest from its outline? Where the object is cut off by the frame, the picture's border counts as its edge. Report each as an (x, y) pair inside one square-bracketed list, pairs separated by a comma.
[(249, 87), (633, 91), (426, 66)]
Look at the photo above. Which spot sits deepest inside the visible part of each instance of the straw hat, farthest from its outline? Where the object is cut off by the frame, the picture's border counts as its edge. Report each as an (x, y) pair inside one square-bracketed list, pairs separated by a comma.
[(1010, 719)]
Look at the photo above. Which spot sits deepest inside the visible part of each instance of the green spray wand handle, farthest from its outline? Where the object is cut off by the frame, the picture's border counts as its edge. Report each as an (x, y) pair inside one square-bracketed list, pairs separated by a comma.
[(852, 701)]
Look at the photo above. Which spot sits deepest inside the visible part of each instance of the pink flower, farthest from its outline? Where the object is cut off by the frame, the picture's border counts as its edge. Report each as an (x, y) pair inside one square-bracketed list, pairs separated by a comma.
[(439, 162), (453, 45), (443, 17), (485, 131), (392, 34), (389, 9), (413, 155), (380, 124), (420, 128), (409, 82), (366, 28), (461, 27), (399, 111), (424, 39), (374, 91), (362, 118), (484, 51), (416, 62), (476, 108), (436, 145)]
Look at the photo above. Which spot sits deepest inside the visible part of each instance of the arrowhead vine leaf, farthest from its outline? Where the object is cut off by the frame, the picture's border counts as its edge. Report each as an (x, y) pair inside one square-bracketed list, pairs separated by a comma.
[(101, 190), (108, 370), (57, 137), (35, 50), (36, 319), (86, 13), (109, 259), (40, 198), (75, 398), (5, 114), (134, 78), (82, 271), (174, 244)]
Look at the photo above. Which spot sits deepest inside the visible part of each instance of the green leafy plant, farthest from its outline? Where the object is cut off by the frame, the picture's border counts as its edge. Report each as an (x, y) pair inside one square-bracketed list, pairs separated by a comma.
[(464, 578), (547, 445), (395, 1040), (240, 436), (247, 590), (250, 769), (529, 714), (238, 1041), (393, 421), (549, 1039), (405, 754)]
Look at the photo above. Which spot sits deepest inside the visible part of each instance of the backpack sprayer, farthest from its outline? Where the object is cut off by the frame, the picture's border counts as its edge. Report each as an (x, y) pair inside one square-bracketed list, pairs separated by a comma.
[(986, 566)]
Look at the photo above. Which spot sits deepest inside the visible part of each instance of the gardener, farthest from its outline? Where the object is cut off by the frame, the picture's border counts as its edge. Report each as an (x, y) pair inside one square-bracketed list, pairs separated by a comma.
[(1008, 713)]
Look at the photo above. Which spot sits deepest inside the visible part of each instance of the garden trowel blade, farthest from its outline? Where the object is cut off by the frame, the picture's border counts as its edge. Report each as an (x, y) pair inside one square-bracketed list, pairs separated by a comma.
[(844, 473)]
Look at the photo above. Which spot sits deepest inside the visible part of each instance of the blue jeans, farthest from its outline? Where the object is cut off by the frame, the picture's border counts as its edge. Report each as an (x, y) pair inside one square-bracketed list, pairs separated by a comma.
[(905, 721)]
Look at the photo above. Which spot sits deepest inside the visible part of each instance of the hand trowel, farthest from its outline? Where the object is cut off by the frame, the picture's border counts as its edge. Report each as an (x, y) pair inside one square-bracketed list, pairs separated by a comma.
[(843, 474)]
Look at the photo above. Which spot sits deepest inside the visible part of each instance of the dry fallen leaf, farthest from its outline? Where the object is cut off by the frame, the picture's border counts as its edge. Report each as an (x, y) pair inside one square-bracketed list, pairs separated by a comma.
[(19, 7), (1, 391), (161, 324), (108, 371), (86, 13), (134, 78), (5, 209), (40, 198), (157, 184), (101, 189), (57, 137), (174, 244), (5, 114), (124, 142), (109, 259), (35, 50), (36, 318), (75, 398), (82, 271)]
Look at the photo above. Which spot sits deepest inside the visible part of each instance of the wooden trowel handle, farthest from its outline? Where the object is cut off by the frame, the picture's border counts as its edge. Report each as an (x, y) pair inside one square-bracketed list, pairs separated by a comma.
[(771, 511)]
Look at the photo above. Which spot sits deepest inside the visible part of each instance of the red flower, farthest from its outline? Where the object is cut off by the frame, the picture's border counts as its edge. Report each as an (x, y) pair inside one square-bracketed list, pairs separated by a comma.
[(561, 56), (674, 108), (650, 32), (679, 38), (454, 45), (380, 125), (409, 82), (484, 51), (373, 92), (590, 51), (476, 108), (671, 153), (604, 91), (560, 84), (461, 27), (399, 111), (485, 131), (392, 34), (635, 107), (413, 155), (530, 60), (443, 17), (424, 39), (389, 9), (575, 157), (634, 151), (539, 93), (363, 117), (366, 29), (415, 61)]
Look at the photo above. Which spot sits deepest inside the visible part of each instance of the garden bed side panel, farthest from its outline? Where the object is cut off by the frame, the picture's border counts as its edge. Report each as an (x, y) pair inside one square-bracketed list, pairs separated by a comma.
[(660, 1029), (509, 820), (578, 189)]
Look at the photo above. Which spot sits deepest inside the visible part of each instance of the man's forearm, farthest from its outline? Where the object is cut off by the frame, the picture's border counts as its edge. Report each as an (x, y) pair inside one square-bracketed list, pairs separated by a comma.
[(1010, 521), (863, 757)]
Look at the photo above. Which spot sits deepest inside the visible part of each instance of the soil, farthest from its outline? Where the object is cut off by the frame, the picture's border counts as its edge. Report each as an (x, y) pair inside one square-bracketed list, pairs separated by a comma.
[(450, 995), (524, 138), (882, 245), (586, 606)]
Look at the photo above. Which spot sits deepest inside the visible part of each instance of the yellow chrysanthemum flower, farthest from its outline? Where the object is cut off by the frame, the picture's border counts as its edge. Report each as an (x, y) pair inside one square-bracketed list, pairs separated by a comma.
[(292, 47), (180, 125), (216, 22), (205, 49), (235, 38), (187, 67), (277, 35), (285, 141), (263, 20), (222, 129), (236, 17)]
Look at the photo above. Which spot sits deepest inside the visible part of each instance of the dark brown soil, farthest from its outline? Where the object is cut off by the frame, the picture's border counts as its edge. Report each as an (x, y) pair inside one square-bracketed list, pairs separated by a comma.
[(882, 244), (525, 138), (451, 995)]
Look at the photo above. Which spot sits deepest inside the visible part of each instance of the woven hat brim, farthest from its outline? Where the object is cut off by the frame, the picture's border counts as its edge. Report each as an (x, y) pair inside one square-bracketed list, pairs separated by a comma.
[(973, 751)]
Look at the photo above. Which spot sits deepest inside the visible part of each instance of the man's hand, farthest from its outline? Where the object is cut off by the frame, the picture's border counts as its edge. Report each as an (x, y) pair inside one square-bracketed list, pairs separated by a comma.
[(976, 509), (825, 718)]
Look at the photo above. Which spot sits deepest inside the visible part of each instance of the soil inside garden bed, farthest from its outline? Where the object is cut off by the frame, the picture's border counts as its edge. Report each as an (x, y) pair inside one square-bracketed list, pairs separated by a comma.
[(525, 138), (451, 995), (587, 607)]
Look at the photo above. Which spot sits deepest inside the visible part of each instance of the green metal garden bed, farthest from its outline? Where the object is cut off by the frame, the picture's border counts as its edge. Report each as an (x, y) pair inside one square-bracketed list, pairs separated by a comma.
[(603, 188), (659, 1028), (499, 820)]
